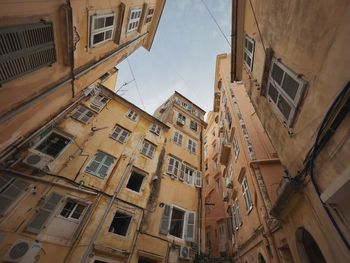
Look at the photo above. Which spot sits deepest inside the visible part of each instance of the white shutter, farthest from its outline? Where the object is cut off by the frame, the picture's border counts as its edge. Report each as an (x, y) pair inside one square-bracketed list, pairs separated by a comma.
[(171, 165), (190, 224), (14, 190), (182, 172), (164, 223), (198, 178)]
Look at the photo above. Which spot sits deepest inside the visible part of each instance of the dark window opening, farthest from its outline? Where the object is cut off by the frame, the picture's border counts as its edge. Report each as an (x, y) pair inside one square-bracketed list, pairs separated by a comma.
[(135, 181), (53, 144), (120, 224), (308, 247), (146, 260), (177, 222)]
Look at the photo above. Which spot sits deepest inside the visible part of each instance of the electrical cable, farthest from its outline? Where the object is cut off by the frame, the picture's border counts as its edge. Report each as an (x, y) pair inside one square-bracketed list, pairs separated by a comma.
[(212, 16), (137, 87)]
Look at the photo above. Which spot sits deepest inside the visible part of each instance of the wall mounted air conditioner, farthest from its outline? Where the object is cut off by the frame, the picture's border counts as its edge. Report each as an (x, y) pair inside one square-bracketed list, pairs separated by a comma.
[(23, 251), (38, 160), (185, 253), (228, 183)]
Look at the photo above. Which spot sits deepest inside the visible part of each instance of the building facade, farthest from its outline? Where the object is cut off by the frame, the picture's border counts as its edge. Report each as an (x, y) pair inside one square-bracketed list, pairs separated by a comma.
[(243, 171), (52, 51), (298, 81)]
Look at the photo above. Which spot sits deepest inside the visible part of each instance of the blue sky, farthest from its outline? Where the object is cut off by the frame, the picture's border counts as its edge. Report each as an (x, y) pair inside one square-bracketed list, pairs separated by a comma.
[(182, 57)]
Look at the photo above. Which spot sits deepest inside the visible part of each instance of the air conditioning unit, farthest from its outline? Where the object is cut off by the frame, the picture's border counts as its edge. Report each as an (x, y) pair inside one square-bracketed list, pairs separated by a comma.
[(23, 251), (38, 160), (185, 253), (228, 183)]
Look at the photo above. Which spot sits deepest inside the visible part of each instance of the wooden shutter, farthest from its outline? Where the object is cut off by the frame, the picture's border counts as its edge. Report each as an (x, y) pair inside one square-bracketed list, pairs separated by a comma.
[(171, 165), (189, 236), (182, 172), (197, 178), (14, 190), (25, 48), (45, 211), (164, 223)]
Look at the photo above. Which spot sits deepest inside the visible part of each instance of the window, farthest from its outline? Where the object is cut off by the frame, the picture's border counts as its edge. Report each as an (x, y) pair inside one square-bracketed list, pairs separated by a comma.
[(11, 189), (98, 102), (208, 238), (155, 129), (178, 223), (205, 140), (26, 48), (134, 19), (237, 214), (148, 149), (82, 114), (246, 195), (229, 118), (178, 138), (132, 115), (188, 174), (100, 164), (173, 166), (149, 15), (235, 148), (284, 90), (192, 146), (120, 134), (72, 209), (120, 224), (249, 52), (181, 119), (101, 28), (53, 144), (135, 181), (193, 125)]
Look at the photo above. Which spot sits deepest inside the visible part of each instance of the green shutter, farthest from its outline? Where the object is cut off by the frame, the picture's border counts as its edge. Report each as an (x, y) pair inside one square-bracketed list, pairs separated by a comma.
[(164, 223), (25, 48), (41, 217)]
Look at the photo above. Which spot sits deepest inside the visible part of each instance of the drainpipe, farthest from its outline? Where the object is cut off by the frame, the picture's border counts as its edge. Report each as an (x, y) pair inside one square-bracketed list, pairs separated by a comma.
[(233, 39), (200, 196)]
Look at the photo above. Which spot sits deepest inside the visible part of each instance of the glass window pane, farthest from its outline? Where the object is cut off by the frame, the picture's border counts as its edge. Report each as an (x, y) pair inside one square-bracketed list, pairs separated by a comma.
[(109, 21), (284, 107), (99, 23), (273, 93), (67, 209), (108, 34), (98, 38), (277, 74), (290, 86), (78, 211)]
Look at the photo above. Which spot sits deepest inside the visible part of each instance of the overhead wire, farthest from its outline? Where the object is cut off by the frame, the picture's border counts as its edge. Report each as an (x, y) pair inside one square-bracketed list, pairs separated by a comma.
[(216, 22), (137, 87)]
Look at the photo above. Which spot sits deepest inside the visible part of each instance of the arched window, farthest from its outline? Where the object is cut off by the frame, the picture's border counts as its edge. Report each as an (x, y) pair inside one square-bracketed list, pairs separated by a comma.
[(261, 259), (308, 249)]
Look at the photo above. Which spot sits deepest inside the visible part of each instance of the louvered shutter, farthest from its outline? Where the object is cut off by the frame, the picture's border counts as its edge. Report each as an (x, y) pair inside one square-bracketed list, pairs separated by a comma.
[(164, 223), (25, 48), (198, 178), (189, 236), (11, 194), (41, 217), (171, 166), (182, 172), (176, 168)]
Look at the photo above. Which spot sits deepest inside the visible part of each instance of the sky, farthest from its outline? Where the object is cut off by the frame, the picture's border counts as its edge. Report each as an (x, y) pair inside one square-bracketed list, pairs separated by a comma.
[(182, 56)]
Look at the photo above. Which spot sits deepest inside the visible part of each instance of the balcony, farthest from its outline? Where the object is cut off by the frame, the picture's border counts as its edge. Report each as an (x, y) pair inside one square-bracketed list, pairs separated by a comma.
[(225, 151)]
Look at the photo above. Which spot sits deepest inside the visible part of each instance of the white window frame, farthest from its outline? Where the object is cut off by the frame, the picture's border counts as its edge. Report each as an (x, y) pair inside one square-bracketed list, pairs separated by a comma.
[(193, 125), (181, 118), (246, 194), (175, 171), (281, 93), (132, 115), (248, 53), (148, 149), (134, 22), (189, 174), (192, 146), (94, 32), (70, 218), (121, 134), (185, 222), (178, 138), (155, 128), (99, 102), (235, 148), (35, 147), (237, 214), (148, 15), (81, 113)]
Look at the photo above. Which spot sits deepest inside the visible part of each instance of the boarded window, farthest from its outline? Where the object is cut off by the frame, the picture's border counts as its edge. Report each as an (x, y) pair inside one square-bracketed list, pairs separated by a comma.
[(24, 49), (120, 224), (44, 213), (100, 164), (10, 190)]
